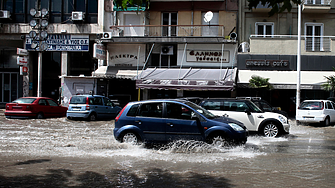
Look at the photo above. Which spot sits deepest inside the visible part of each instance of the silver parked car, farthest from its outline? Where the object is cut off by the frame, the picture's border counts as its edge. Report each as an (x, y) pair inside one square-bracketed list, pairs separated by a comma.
[(316, 111)]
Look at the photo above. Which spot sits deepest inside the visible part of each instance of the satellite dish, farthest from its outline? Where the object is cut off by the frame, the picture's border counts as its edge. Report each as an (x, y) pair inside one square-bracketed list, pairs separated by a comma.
[(208, 16)]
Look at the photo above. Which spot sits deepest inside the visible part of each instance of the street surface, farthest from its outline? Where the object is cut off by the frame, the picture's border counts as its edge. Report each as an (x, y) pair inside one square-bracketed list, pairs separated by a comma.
[(62, 153)]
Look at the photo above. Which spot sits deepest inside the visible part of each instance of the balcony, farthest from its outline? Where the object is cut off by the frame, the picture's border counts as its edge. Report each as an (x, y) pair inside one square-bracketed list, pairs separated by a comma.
[(316, 6), (170, 33), (287, 44)]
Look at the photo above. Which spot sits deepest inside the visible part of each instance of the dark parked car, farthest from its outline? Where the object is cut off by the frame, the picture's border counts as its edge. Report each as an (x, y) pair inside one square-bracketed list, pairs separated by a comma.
[(166, 120), (34, 107), (92, 107), (264, 105)]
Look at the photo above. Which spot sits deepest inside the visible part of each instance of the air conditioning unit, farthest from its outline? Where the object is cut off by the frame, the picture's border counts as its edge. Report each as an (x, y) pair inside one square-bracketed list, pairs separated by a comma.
[(78, 16), (4, 14), (167, 50), (106, 35)]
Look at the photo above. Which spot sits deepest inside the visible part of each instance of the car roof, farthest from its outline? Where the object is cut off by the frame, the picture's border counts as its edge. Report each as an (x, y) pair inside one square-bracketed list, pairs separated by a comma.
[(88, 95), (317, 100), (161, 100), (226, 99)]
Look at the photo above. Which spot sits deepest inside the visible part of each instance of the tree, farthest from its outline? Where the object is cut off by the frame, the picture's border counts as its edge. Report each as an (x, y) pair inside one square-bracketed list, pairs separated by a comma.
[(260, 83), (125, 3), (277, 6), (330, 84)]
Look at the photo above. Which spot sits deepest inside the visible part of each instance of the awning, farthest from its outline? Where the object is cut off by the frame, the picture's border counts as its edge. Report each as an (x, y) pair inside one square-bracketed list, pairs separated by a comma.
[(115, 72), (187, 79), (286, 79)]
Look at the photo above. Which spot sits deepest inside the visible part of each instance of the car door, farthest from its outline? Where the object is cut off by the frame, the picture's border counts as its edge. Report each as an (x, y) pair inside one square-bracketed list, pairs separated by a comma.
[(55, 109), (150, 121), (99, 107), (179, 123), (111, 110), (44, 107), (331, 111)]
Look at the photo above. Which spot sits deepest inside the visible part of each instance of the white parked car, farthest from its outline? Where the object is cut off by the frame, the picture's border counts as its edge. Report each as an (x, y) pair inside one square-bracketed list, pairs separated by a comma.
[(316, 111), (269, 124)]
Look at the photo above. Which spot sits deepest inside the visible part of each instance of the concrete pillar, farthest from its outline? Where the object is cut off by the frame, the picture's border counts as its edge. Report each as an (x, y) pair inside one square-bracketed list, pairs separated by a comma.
[(64, 72)]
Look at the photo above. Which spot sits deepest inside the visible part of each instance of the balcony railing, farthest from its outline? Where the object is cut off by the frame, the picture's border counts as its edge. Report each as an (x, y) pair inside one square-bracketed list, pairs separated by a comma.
[(317, 2), (168, 31), (312, 43)]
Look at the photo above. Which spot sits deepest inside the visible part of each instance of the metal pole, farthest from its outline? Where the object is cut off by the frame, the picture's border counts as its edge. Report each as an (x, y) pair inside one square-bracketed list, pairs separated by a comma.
[(298, 57), (39, 77)]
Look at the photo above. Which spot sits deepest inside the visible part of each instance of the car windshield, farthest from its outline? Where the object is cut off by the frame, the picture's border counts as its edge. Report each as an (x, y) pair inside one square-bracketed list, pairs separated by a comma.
[(311, 105), (253, 107), (78, 100), (24, 100), (201, 110)]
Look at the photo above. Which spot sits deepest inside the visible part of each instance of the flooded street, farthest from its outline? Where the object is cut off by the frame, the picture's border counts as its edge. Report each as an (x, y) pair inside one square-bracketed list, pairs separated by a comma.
[(63, 153)]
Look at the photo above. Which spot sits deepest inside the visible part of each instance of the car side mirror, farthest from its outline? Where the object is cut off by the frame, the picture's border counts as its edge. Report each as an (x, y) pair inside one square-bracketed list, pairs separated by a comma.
[(247, 111)]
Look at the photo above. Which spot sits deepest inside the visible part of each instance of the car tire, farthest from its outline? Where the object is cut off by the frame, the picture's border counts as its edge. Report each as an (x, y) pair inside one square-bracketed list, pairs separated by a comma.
[(40, 115), (130, 138), (92, 117), (326, 122), (219, 141), (270, 129)]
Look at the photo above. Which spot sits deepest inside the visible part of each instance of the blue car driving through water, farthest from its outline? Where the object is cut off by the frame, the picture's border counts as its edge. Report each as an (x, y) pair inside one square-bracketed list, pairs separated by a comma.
[(167, 120)]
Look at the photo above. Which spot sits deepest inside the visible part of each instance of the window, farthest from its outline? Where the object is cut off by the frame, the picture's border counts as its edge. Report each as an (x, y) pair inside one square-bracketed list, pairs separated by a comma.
[(169, 19), (52, 103), (42, 102), (97, 101), (317, 2), (133, 110), (329, 105), (208, 29), (264, 28), (238, 106), (178, 111), (60, 11), (313, 32), (151, 110)]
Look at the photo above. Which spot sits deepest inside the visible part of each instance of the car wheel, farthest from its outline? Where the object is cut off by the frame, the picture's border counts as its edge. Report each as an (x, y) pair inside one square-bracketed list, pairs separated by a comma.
[(270, 130), (130, 138), (219, 141), (92, 117), (326, 122), (40, 115)]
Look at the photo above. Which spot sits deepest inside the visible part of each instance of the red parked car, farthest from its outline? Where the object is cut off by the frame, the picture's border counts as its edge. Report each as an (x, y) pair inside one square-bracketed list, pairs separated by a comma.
[(34, 107)]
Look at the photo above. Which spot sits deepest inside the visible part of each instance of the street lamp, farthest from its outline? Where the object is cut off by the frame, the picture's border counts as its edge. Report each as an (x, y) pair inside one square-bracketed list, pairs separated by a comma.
[(40, 24)]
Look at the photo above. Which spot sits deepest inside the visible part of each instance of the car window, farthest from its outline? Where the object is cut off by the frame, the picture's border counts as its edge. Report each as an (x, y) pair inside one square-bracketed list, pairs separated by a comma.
[(42, 102), (107, 102), (333, 104), (52, 103), (151, 110), (265, 106), (78, 100), (238, 106), (178, 111), (24, 100), (97, 101), (212, 105), (329, 105), (133, 110), (311, 105)]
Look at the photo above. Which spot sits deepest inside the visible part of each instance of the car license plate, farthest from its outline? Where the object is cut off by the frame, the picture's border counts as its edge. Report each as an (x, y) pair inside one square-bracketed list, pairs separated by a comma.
[(308, 117), (76, 109)]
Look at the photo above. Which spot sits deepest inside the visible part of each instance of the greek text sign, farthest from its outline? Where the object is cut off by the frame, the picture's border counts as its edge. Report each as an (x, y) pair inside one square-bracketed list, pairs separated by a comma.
[(63, 43), (99, 51), (267, 63), (212, 56)]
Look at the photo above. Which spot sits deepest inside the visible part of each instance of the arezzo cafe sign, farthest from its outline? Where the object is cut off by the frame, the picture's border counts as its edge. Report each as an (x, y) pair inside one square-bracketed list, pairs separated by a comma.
[(211, 56)]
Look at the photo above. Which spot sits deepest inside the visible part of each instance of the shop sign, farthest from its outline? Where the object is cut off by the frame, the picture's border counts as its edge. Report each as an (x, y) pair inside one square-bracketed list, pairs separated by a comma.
[(20, 51), (62, 42), (22, 60), (99, 51), (211, 56), (23, 70), (267, 63), (124, 56)]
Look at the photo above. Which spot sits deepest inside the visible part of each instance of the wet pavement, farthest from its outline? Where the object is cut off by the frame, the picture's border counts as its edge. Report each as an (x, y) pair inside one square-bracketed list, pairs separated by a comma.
[(61, 153)]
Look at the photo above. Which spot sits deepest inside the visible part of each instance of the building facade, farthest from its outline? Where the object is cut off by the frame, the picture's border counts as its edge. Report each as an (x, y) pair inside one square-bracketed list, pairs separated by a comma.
[(272, 46)]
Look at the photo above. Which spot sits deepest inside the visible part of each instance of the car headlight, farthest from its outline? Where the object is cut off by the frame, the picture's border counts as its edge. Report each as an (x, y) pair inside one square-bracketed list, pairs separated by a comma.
[(235, 127), (282, 119)]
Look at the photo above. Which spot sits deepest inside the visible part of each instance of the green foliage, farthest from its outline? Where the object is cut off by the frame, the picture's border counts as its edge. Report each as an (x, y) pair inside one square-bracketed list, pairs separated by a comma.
[(330, 84), (126, 3), (277, 6), (259, 82)]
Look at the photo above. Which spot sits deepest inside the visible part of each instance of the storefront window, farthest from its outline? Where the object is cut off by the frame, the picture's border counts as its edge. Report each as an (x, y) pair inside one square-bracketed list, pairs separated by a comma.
[(80, 5)]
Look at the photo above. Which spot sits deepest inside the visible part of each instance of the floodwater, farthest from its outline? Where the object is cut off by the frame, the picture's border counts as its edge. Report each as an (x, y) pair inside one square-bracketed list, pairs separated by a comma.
[(62, 153)]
